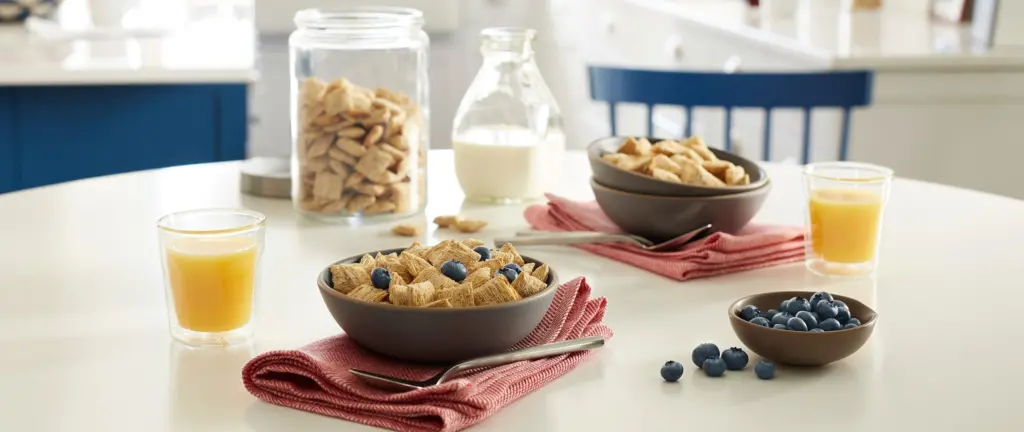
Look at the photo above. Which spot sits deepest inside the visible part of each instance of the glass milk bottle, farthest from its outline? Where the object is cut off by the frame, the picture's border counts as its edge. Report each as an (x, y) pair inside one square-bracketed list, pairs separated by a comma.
[(507, 135)]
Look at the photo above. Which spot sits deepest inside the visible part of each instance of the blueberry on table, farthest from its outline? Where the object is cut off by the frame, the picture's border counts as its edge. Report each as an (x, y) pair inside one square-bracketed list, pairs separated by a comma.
[(749, 312), (849, 326), (853, 321), (761, 321), (735, 358), (797, 304), (843, 315), (485, 253), (508, 273), (455, 270), (769, 314), (380, 278), (809, 318), (830, 324), (671, 371), (817, 330), (827, 309), (703, 352), (780, 327), (714, 366), (819, 296), (781, 318), (764, 369), (796, 324)]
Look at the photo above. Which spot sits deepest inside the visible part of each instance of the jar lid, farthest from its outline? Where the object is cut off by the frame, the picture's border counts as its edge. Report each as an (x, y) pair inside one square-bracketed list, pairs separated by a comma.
[(268, 177)]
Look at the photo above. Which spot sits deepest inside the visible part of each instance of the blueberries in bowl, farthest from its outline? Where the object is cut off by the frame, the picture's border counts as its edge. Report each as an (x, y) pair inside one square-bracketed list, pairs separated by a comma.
[(796, 324), (761, 321), (455, 270), (797, 304), (822, 313), (749, 312), (780, 327), (735, 358), (703, 352), (380, 278), (485, 253), (830, 324), (769, 314), (781, 318), (819, 296), (827, 309), (809, 318)]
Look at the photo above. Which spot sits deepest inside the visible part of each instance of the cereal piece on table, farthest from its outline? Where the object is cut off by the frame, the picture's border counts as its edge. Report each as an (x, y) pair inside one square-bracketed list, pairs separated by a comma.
[(435, 277), (442, 303), (736, 175), (350, 146), (406, 230), (495, 291), (380, 207), (446, 221), (347, 277), (664, 175), (469, 225), (460, 296), (516, 258), (327, 186), (717, 168), (663, 162), (637, 147), (472, 242), (667, 147), (697, 144), (541, 273), (414, 264), (478, 277), (368, 293), (360, 202), (451, 250), (415, 294), (528, 268), (527, 285)]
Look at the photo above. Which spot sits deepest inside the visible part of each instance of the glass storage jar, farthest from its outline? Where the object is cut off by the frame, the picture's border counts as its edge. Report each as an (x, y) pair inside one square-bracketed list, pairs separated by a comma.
[(359, 113), (507, 134)]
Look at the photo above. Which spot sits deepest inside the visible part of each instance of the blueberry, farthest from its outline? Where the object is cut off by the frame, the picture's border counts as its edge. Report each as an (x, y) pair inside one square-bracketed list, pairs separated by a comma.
[(769, 314), (843, 315), (827, 309), (485, 254), (704, 351), (714, 366), (780, 327), (515, 267), (508, 273), (781, 318), (764, 369), (796, 324), (797, 304), (818, 296), (749, 312), (830, 324), (671, 371), (735, 358), (853, 321), (809, 318), (455, 270), (817, 330), (761, 321), (849, 326), (380, 277)]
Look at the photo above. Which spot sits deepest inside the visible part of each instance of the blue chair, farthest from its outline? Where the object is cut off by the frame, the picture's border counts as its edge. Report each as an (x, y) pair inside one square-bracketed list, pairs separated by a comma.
[(735, 90)]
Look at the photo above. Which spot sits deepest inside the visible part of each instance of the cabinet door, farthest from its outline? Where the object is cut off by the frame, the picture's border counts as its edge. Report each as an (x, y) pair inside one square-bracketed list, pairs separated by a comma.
[(69, 133), (8, 152)]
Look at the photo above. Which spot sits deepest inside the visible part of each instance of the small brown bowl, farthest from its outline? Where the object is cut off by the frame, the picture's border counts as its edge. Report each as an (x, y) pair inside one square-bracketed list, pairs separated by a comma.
[(801, 348), (660, 218), (435, 335), (615, 178)]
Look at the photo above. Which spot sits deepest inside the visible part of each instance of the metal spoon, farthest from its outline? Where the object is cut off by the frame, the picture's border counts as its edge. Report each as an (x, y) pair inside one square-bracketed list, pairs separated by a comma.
[(587, 237), (385, 382)]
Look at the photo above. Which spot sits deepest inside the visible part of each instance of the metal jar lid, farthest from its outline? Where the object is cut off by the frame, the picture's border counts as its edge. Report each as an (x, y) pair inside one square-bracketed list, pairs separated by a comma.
[(268, 177)]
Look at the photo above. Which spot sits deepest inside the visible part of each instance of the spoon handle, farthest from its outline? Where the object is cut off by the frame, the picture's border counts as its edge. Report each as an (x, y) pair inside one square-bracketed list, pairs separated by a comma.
[(540, 351), (565, 239)]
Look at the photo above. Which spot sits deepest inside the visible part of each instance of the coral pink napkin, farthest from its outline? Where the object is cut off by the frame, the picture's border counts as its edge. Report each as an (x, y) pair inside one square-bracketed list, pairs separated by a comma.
[(754, 247), (315, 377)]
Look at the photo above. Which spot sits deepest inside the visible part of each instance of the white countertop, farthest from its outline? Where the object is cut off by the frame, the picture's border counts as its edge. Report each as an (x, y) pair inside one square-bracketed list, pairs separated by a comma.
[(204, 43), (818, 30), (85, 347)]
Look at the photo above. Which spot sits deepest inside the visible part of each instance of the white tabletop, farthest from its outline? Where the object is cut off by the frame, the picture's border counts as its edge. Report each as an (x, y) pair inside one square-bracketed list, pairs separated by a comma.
[(84, 342)]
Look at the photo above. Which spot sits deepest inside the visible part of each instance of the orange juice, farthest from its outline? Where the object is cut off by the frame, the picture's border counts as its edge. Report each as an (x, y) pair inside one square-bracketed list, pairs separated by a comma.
[(844, 224), (212, 282)]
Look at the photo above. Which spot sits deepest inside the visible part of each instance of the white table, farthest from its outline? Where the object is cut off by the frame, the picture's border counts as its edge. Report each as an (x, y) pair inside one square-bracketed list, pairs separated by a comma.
[(85, 347)]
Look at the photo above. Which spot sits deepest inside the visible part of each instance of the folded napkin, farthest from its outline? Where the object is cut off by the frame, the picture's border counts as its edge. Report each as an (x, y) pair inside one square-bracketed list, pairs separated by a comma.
[(755, 246), (315, 377)]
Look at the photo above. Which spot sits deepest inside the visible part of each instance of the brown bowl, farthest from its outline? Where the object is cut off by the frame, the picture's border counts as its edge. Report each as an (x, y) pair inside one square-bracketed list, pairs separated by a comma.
[(435, 335), (628, 181), (801, 348), (660, 218)]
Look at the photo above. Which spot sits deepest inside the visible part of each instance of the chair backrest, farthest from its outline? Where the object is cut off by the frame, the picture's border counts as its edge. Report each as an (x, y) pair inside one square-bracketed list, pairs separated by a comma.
[(806, 91)]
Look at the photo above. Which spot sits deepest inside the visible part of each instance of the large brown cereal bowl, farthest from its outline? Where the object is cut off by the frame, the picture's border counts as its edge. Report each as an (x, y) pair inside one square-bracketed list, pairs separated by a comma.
[(660, 218), (801, 348), (628, 181), (435, 335)]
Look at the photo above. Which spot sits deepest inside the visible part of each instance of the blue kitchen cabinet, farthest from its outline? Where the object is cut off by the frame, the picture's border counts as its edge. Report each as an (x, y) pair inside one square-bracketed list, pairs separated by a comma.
[(54, 134)]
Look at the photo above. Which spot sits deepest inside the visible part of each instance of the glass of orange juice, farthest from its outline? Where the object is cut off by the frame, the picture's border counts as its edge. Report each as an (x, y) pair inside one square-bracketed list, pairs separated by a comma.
[(846, 202), (211, 261)]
